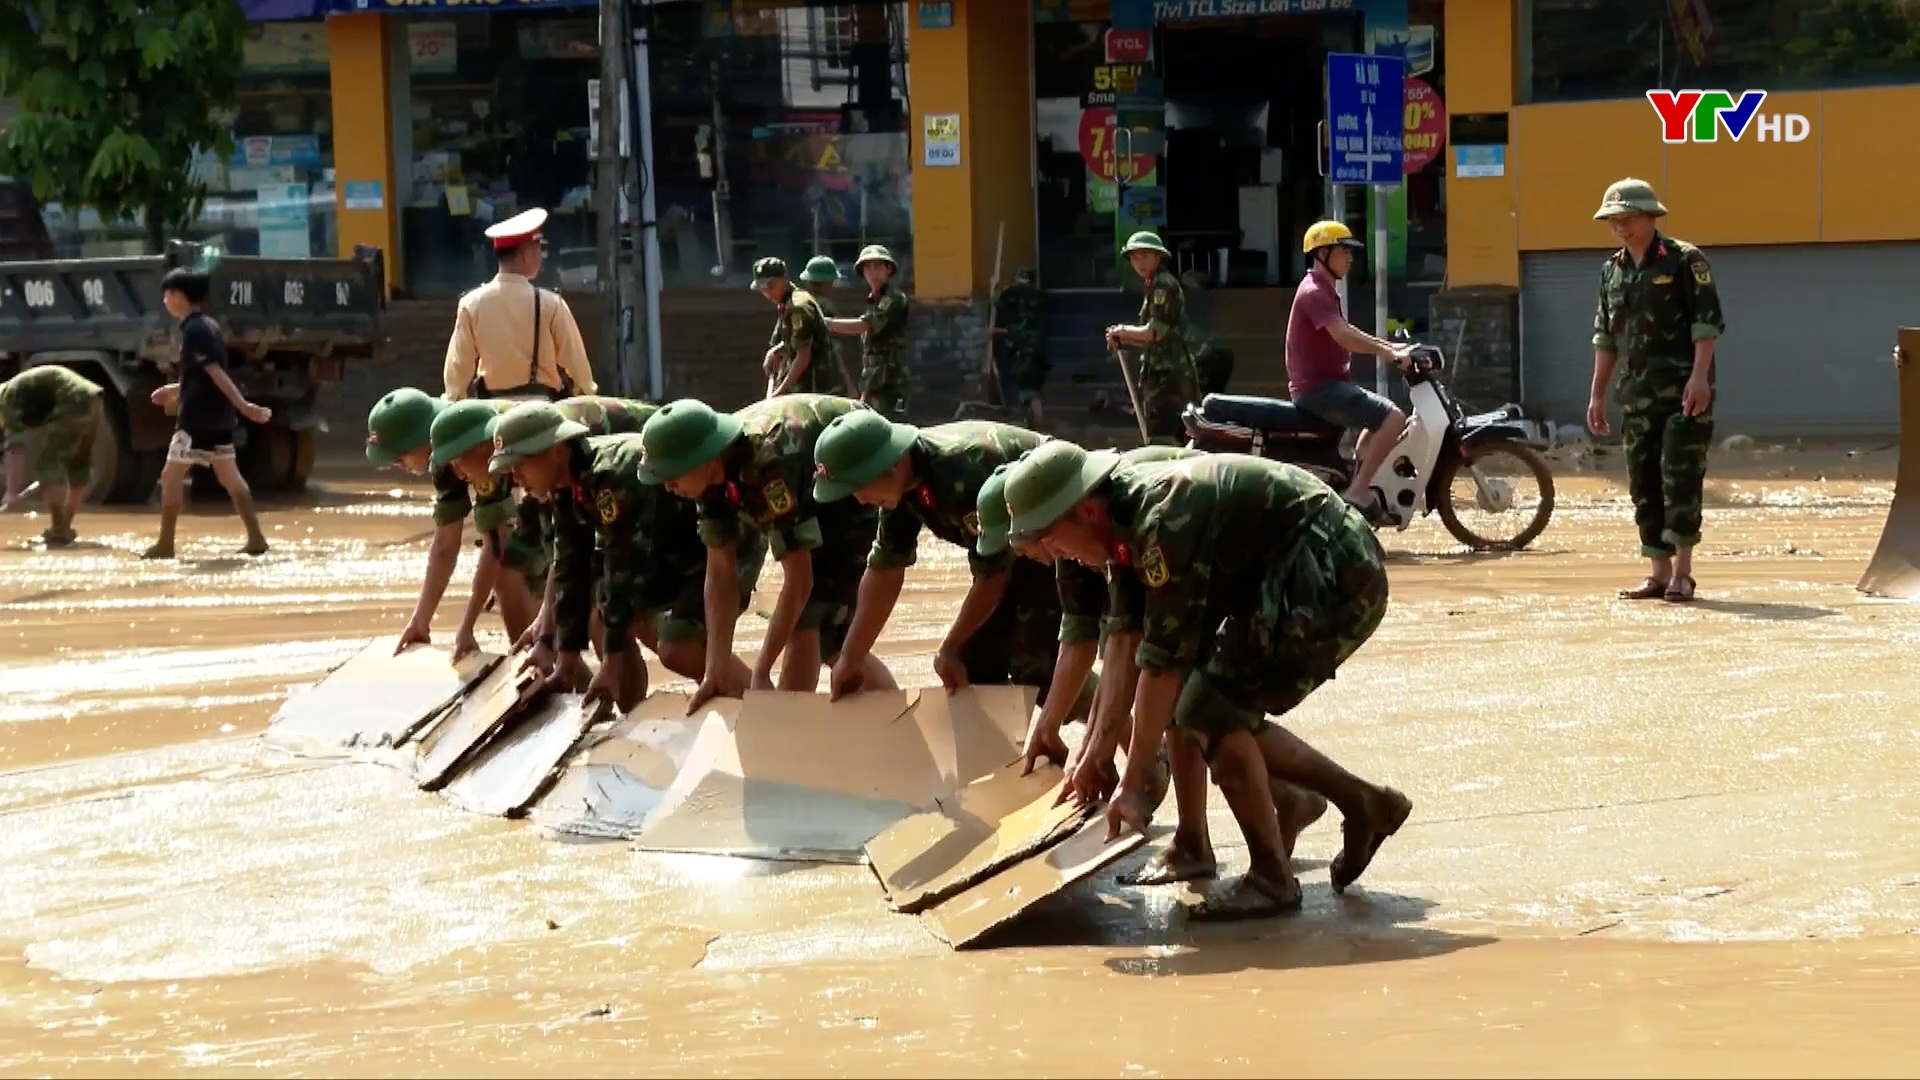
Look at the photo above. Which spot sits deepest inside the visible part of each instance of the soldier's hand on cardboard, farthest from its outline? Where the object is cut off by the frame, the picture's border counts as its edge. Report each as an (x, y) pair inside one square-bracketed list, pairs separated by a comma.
[(845, 678), (414, 634), (952, 673), (1127, 811), (1043, 744), (716, 684)]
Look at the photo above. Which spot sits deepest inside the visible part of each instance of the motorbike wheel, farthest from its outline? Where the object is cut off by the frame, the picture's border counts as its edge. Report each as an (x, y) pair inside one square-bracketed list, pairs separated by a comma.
[(1484, 454)]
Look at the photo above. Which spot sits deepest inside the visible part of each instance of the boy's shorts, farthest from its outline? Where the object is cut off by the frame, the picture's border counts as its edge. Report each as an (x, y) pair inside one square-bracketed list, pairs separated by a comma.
[(200, 449)]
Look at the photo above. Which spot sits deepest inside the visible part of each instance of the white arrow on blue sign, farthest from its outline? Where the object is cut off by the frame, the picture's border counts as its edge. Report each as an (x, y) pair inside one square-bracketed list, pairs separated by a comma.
[(1366, 116)]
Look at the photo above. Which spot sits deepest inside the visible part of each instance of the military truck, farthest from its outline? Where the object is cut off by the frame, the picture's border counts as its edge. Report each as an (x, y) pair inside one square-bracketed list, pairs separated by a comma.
[(292, 325)]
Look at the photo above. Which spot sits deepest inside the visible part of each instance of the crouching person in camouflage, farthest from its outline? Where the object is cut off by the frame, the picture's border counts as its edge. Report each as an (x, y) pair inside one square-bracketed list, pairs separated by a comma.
[(621, 546), (1008, 627), (62, 410), (1252, 582), (752, 471)]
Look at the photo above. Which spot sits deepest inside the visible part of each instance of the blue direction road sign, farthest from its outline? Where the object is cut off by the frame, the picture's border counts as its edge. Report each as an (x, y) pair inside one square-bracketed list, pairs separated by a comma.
[(1366, 114)]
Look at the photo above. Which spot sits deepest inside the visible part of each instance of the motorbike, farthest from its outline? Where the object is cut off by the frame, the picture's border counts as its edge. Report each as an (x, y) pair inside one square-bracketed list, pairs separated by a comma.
[(1441, 446)]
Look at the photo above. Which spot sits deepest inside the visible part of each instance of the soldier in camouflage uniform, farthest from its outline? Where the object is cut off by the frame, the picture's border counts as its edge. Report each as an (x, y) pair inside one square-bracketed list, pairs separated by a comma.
[(1166, 373), (1660, 311), (1252, 582), (882, 330), (621, 546), (797, 353), (1008, 628), (1091, 777), (753, 471), (62, 410), (1020, 325), (820, 276)]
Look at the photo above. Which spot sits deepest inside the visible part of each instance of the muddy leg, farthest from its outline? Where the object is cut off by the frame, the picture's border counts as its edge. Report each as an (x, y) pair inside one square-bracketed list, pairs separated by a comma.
[(227, 471), (173, 494), (1189, 855), (1269, 887), (60, 509), (1296, 809), (1371, 813)]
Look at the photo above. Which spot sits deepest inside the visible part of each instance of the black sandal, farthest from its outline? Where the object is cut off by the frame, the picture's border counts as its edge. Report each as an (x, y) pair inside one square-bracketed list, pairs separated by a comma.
[(1681, 590), (1651, 588)]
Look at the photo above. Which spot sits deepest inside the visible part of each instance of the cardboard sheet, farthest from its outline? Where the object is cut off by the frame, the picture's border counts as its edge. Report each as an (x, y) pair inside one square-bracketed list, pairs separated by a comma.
[(375, 699), (968, 916), (520, 762), (975, 732), (619, 779), (969, 836), (489, 705)]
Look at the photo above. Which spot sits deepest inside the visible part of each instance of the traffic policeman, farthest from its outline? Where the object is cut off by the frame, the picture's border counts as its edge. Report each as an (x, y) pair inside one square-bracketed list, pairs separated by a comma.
[(512, 339)]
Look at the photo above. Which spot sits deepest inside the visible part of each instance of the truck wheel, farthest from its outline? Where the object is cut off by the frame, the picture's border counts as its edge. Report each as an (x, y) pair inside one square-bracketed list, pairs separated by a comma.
[(305, 447), (119, 475), (270, 461)]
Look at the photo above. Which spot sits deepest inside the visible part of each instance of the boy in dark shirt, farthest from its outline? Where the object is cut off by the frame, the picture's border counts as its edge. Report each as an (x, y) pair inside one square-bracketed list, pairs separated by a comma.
[(210, 407)]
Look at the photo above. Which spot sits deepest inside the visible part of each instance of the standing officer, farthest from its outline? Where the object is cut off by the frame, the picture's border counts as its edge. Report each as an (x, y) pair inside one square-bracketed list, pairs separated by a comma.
[(820, 276), (1659, 307), (63, 410), (512, 339), (792, 363), (1022, 326), (882, 330), (1167, 377)]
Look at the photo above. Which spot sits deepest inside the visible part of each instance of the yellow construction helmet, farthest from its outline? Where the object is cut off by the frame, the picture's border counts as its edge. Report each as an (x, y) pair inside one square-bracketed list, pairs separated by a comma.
[(1327, 234)]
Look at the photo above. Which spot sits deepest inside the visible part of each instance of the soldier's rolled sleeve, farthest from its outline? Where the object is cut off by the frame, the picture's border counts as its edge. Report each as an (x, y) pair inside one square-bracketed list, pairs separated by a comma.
[(573, 592), (1126, 602), (1703, 297), (896, 545), (986, 566), (719, 522), (622, 556), (452, 501), (1602, 323), (793, 534), (1083, 599), (495, 507)]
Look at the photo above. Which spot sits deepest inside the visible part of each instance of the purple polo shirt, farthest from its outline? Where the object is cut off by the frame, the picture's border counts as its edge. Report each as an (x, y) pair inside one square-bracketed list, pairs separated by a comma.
[(1313, 356)]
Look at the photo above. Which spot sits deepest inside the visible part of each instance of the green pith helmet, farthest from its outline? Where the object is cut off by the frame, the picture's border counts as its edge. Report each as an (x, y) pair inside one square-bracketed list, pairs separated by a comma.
[(874, 253), (399, 424), (460, 427), (1145, 240), (683, 436), (854, 450), (820, 269), (1629, 196), (1051, 481), (767, 269), (995, 524), (527, 429)]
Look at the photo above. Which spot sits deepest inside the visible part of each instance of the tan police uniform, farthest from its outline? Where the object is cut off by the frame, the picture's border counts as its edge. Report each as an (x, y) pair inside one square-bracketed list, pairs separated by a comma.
[(512, 339)]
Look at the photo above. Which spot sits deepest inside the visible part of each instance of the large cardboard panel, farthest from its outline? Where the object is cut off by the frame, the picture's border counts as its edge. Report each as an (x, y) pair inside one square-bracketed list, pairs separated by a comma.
[(795, 776), (970, 836), (975, 732), (519, 764), (1895, 568), (620, 779), (375, 699), (489, 705), (967, 917)]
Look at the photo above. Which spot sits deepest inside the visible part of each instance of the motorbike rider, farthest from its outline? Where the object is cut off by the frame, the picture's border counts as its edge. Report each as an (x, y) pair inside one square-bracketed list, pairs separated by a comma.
[(1319, 371)]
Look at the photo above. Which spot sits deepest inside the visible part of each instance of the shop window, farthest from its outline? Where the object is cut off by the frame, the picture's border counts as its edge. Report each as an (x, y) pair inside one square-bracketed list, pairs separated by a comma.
[(779, 129), (1596, 49), (273, 194), (498, 122)]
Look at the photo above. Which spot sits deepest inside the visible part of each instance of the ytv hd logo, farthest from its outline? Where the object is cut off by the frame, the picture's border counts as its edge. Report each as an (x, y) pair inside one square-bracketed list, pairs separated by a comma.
[(1698, 116)]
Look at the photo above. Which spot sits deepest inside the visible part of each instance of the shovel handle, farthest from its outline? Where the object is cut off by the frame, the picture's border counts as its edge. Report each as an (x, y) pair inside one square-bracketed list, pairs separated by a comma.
[(1133, 394)]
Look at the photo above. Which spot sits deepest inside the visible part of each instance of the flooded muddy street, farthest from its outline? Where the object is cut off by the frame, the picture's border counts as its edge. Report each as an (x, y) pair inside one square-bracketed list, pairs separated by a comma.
[(1647, 838)]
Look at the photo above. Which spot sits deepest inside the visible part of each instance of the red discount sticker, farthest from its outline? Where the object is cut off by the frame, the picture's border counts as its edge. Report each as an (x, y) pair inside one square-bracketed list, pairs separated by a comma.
[(1426, 125), (1097, 130)]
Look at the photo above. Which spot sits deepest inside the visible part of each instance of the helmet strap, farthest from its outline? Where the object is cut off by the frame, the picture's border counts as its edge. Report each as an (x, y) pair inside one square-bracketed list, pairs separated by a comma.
[(1324, 256)]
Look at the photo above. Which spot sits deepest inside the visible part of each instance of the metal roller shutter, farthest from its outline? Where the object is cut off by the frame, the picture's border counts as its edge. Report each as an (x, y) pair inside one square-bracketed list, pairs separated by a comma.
[(1809, 331)]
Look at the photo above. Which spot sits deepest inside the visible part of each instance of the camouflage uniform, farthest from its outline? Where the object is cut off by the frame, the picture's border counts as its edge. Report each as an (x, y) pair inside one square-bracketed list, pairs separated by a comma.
[(60, 408), (883, 348), (1018, 308), (1020, 641), (769, 489), (630, 547), (1083, 590), (1250, 574), (803, 323), (1650, 315)]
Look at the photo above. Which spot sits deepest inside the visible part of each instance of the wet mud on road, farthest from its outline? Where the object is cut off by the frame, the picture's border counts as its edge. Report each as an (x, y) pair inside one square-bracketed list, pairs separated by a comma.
[(1647, 838)]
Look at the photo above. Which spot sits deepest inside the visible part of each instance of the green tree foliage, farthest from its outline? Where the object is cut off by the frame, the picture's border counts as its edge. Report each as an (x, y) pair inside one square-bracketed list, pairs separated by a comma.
[(115, 97)]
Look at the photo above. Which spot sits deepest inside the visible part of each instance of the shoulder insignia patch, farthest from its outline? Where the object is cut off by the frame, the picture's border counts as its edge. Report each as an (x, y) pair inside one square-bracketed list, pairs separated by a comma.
[(779, 499), (1663, 279), (1701, 275), (971, 523), (1153, 567), (603, 502), (483, 489)]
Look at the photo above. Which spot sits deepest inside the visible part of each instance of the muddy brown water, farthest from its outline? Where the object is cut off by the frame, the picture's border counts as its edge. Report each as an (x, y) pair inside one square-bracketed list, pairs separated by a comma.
[(1647, 839)]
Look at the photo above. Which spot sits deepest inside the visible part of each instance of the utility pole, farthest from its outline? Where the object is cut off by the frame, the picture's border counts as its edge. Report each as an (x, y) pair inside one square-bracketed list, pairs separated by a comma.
[(606, 189)]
